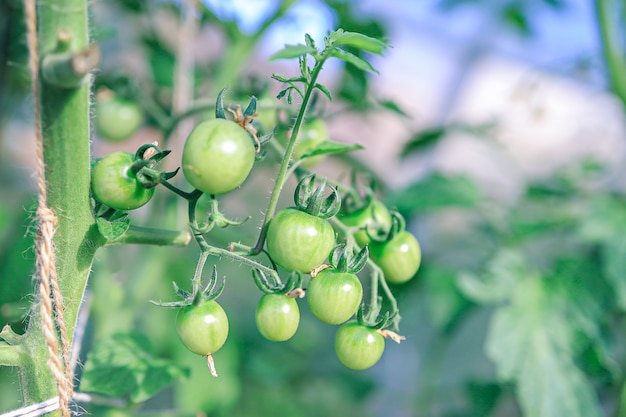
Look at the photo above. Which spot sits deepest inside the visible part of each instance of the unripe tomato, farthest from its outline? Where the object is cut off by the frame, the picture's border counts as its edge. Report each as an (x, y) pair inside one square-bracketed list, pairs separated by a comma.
[(277, 317), (218, 156), (114, 184), (117, 119), (398, 258), (298, 241), (202, 328), (358, 347), (373, 218), (266, 113), (334, 296), (311, 134)]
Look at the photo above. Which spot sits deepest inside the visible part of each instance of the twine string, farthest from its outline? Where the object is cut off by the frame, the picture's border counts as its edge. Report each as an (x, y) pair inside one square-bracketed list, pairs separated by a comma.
[(50, 294)]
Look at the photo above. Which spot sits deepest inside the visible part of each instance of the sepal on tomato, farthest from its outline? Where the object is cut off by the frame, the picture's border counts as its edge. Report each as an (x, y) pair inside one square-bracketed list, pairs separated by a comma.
[(311, 198), (372, 318), (398, 225), (197, 296), (262, 282), (343, 259)]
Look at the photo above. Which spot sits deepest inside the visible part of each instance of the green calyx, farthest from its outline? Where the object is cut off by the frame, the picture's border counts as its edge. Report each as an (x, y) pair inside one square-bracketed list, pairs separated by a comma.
[(354, 201), (199, 293), (398, 225), (260, 279), (345, 260), (312, 200), (372, 318), (147, 158)]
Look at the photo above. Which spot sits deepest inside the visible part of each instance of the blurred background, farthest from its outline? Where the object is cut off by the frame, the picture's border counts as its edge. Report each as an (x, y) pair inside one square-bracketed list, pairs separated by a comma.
[(496, 127)]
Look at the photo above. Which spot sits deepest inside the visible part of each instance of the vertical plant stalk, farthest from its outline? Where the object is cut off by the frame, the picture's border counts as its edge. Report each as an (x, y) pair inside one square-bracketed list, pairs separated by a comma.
[(609, 23), (64, 120), (291, 145)]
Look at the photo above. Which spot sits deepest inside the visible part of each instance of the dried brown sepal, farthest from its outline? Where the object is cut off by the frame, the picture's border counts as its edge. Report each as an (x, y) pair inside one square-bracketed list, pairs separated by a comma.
[(388, 334), (296, 293), (211, 365), (319, 269)]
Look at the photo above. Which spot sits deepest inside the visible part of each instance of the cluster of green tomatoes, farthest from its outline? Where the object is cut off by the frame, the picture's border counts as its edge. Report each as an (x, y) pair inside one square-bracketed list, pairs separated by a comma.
[(217, 157)]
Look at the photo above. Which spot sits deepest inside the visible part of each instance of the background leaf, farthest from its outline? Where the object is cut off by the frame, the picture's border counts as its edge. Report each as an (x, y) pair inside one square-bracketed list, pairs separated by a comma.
[(125, 365), (329, 147), (293, 51), (437, 191), (535, 340)]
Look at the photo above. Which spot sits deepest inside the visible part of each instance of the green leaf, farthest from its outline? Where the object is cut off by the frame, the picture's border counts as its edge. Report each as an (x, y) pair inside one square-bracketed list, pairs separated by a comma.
[(394, 107), (349, 57), (358, 41), (293, 51), (535, 340), (324, 90), (437, 191), (330, 147), (125, 365), (114, 228), (422, 139), (504, 272)]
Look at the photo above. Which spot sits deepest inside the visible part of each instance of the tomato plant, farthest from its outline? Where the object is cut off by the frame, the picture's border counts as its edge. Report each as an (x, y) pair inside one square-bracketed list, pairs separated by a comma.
[(117, 119), (373, 219), (202, 328), (115, 184), (357, 346), (218, 156), (277, 317)]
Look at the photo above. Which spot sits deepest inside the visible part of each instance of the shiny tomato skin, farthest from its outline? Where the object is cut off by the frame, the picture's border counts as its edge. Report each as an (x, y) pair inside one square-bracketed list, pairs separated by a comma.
[(333, 297), (218, 156), (373, 218), (202, 328), (277, 317), (398, 258), (113, 183), (298, 241), (358, 347)]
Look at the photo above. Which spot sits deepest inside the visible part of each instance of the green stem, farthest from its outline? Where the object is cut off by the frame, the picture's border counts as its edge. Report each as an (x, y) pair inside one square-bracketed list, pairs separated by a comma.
[(148, 236), (610, 26), (65, 128), (282, 171)]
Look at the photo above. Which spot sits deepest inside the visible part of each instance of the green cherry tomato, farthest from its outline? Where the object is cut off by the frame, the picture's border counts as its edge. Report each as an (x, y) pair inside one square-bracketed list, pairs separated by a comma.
[(358, 347), (298, 241), (218, 156), (117, 119), (202, 328), (334, 296), (114, 184), (311, 134), (374, 219), (266, 113), (399, 258), (277, 317)]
